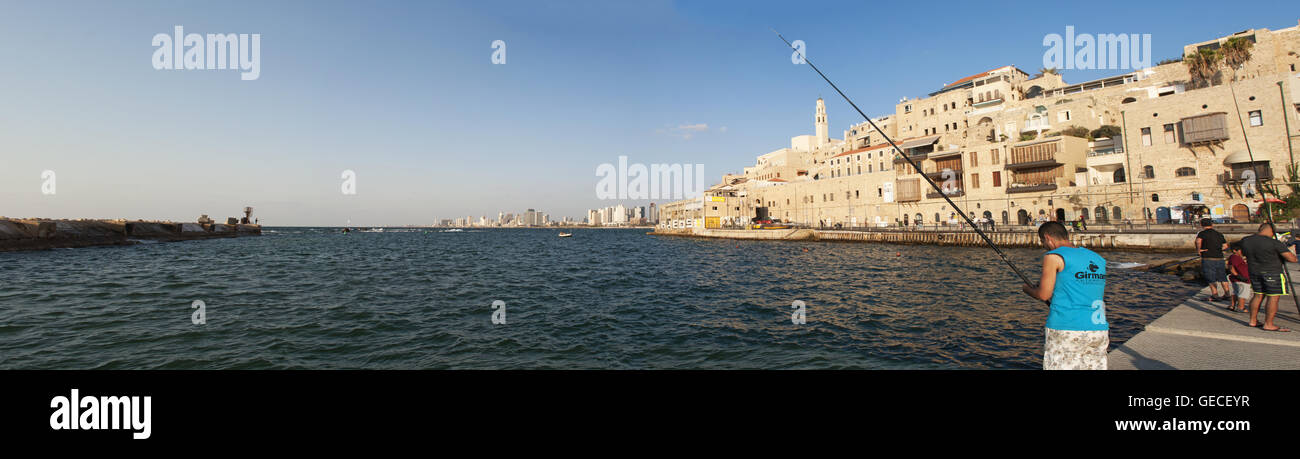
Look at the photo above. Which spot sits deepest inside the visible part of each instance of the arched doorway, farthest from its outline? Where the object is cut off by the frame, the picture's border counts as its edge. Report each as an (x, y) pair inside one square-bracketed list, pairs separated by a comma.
[(1241, 213), (1060, 215), (1006, 220), (1100, 214), (988, 215), (1023, 217), (905, 222), (1116, 214), (918, 219)]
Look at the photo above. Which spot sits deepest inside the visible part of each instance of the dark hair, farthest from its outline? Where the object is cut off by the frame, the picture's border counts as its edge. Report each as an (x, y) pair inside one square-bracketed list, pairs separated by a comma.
[(1207, 222), (1055, 230), (1267, 225), (1235, 246)]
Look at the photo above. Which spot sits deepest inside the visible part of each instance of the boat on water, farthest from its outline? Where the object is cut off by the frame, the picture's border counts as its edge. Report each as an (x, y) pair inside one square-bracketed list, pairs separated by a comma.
[(566, 234)]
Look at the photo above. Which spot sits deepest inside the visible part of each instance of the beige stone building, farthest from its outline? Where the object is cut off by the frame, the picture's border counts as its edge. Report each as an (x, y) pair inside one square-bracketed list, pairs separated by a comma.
[(1014, 148)]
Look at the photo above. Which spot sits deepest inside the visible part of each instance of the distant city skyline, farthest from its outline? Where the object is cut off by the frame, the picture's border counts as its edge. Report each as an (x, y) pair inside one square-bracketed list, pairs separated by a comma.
[(406, 96)]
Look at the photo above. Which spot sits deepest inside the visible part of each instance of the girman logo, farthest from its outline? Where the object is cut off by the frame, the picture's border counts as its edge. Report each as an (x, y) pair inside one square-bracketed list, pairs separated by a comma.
[(1092, 273), (213, 52), (102, 413), (1105, 51)]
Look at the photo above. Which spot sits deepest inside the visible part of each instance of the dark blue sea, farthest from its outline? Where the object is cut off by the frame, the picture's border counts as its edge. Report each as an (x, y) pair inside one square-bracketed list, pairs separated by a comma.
[(313, 298)]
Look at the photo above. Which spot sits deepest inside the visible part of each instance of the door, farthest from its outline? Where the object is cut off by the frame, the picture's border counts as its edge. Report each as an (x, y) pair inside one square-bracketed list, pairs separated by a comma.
[(1023, 217), (1241, 213), (1162, 215), (1060, 215)]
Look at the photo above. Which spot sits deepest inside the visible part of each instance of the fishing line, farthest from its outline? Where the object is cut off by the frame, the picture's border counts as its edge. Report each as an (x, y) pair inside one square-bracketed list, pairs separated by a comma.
[(915, 166)]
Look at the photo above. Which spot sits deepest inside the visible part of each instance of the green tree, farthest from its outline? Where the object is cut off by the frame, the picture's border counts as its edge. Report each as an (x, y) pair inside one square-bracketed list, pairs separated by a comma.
[(1202, 65)]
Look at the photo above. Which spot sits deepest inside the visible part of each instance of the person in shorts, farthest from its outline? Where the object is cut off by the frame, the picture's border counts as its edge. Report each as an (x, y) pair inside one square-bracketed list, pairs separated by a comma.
[(1239, 274), (1073, 283), (1266, 258), (1210, 244)]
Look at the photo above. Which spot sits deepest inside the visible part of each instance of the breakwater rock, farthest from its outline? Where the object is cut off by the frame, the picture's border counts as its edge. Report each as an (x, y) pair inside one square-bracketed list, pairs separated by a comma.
[(40, 234)]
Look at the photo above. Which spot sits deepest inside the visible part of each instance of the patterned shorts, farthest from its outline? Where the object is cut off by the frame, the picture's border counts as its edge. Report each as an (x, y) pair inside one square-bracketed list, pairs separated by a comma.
[(1075, 350)]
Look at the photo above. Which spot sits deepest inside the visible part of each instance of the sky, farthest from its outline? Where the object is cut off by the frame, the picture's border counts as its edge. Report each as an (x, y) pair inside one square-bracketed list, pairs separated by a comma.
[(405, 95)]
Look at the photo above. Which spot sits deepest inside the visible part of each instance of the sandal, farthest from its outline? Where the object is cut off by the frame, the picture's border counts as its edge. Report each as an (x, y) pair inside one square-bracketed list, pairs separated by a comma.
[(1278, 329)]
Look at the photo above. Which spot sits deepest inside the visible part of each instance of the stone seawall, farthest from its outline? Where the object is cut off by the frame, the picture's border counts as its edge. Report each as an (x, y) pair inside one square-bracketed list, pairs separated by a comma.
[(1129, 240), (40, 234)]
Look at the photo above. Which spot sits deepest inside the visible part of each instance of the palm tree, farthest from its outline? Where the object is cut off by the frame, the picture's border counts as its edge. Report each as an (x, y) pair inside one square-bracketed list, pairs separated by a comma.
[(1202, 65), (1236, 52)]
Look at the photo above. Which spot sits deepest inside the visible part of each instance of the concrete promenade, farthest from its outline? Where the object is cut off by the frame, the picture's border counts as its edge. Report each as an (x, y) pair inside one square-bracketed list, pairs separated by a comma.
[(1203, 335)]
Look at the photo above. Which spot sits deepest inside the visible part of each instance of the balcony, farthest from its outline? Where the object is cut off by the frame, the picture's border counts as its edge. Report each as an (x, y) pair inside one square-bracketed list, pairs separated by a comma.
[(1204, 129), (1240, 175), (1039, 153)]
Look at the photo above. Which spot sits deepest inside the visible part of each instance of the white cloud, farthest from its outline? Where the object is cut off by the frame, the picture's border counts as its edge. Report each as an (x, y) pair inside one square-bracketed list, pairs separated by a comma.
[(685, 131)]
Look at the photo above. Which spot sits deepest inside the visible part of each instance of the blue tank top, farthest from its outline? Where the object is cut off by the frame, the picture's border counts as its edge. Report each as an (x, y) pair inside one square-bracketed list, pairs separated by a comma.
[(1077, 300)]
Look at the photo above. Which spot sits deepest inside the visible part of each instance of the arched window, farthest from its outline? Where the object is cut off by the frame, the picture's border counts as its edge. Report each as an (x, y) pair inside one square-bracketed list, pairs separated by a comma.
[(1155, 197), (1100, 214), (1148, 172), (1185, 172), (1119, 175), (1116, 214)]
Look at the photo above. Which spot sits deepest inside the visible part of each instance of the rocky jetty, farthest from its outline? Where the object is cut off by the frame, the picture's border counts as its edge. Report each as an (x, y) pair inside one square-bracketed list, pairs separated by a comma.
[(40, 234)]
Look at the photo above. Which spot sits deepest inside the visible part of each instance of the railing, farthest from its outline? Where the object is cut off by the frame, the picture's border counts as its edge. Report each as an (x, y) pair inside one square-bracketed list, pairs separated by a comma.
[(1105, 152), (1014, 188), (951, 194)]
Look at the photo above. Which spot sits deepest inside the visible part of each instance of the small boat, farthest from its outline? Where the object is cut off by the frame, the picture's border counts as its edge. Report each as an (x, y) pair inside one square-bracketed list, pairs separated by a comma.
[(566, 234)]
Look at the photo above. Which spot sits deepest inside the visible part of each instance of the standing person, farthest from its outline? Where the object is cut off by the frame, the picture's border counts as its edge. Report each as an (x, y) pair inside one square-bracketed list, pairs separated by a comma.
[(1074, 283), (1083, 223), (1240, 276), (1210, 244), (1266, 258)]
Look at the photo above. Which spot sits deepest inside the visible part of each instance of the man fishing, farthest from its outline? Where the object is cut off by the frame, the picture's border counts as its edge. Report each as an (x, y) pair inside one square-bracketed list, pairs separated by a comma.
[(1074, 283), (1266, 259)]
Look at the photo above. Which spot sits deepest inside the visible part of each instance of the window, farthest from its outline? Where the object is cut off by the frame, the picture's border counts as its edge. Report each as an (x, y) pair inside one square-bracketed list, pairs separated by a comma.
[(1146, 136), (997, 179), (1256, 118), (1148, 172), (974, 180), (1169, 133), (1185, 172), (994, 153), (1063, 116), (1155, 197), (974, 159)]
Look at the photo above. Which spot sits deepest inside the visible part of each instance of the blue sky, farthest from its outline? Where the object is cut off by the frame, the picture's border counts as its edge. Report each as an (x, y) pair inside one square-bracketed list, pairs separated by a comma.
[(405, 95)]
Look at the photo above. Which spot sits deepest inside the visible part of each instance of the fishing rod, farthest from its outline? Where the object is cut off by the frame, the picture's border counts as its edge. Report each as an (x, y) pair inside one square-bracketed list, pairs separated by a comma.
[(915, 166)]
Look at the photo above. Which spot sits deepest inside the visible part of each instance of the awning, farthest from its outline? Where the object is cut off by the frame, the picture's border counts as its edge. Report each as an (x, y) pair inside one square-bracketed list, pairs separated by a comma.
[(944, 154), (1240, 157), (921, 142)]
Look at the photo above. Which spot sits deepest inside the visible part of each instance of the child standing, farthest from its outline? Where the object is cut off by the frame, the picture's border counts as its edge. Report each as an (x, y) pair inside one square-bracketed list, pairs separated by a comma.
[(1240, 276)]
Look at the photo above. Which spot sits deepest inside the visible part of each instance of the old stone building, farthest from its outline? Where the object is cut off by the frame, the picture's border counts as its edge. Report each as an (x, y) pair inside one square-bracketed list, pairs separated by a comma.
[(1149, 146)]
